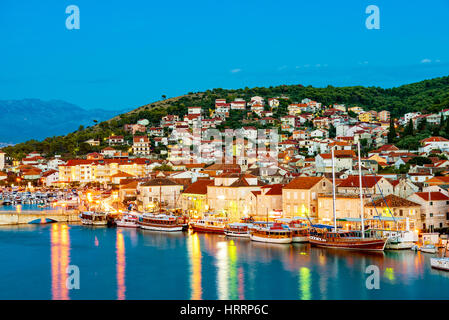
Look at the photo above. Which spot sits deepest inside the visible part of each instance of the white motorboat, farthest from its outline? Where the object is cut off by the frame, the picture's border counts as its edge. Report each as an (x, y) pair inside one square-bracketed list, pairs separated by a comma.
[(128, 220), (428, 248), (440, 263), (399, 240)]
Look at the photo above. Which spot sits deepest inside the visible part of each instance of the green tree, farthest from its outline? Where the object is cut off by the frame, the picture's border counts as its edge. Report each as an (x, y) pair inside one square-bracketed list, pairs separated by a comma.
[(408, 131), (391, 132)]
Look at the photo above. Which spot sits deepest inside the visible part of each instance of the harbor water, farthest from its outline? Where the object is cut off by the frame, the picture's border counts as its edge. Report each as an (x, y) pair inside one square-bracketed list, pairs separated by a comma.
[(117, 263)]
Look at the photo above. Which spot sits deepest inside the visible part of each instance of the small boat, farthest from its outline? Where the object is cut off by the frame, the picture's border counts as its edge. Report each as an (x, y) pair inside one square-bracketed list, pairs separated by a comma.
[(128, 220), (160, 222), (399, 240), (441, 263), (274, 233), (429, 248), (93, 218), (211, 225), (238, 229)]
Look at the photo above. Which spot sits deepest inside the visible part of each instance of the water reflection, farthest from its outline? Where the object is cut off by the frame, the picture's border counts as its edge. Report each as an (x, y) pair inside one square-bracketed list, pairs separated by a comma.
[(305, 283), (222, 263), (60, 259), (194, 251), (121, 263), (225, 268)]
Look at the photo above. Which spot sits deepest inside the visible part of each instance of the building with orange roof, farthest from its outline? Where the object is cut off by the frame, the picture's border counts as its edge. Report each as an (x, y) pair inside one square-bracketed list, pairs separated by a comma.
[(436, 181), (372, 185), (228, 194), (141, 145), (267, 201), (194, 198), (300, 196)]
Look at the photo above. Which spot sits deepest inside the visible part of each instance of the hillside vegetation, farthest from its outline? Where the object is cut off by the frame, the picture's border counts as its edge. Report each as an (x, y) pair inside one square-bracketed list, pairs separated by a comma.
[(425, 96)]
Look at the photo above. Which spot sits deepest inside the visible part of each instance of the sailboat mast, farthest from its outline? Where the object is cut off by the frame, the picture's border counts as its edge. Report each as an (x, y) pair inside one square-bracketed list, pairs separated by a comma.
[(361, 190), (333, 190)]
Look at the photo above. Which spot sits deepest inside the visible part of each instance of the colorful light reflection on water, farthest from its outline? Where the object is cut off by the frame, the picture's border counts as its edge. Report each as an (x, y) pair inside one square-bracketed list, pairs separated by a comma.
[(119, 263)]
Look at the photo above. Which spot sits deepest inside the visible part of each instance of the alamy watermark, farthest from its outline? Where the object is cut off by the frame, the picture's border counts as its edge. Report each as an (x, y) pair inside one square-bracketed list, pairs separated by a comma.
[(73, 20), (373, 280), (373, 20), (73, 279)]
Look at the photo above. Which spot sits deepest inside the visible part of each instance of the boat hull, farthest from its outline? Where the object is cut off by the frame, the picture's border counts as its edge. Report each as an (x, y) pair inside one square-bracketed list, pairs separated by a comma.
[(198, 228), (399, 245), (94, 223), (237, 234), (126, 224), (366, 245), (428, 250), (155, 227), (271, 240), (440, 263)]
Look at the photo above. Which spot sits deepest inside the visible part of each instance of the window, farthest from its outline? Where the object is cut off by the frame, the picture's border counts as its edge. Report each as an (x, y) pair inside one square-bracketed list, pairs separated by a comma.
[(431, 203), (431, 215), (400, 213)]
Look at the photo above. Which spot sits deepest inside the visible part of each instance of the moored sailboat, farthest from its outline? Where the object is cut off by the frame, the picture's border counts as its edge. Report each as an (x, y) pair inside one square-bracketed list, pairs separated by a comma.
[(346, 239)]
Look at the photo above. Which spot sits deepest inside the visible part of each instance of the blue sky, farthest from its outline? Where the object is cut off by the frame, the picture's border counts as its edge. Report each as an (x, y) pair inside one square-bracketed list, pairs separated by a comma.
[(129, 53)]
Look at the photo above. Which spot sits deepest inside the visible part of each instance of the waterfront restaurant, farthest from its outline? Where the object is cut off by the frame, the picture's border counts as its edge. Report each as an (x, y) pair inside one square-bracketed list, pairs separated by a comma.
[(392, 212)]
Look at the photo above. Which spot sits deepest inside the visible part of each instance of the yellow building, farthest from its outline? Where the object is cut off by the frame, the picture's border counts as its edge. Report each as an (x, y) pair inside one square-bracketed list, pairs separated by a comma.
[(365, 117), (194, 198), (300, 196), (228, 195), (83, 171)]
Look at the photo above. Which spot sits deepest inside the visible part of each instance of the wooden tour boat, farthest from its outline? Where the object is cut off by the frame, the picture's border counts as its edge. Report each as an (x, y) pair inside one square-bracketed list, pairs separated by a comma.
[(160, 222), (94, 218), (346, 240), (300, 234), (211, 225), (428, 248), (238, 229), (271, 234), (351, 240)]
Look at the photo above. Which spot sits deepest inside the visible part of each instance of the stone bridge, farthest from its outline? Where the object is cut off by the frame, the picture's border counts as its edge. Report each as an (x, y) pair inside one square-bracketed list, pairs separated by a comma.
[(24, 217)]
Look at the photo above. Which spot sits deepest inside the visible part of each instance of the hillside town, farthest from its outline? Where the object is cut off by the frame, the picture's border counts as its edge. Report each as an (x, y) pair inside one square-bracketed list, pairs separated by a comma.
[(281, 169)]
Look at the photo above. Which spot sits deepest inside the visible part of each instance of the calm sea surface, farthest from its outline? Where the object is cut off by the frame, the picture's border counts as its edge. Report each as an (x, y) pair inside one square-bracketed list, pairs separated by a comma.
[(116, 263)]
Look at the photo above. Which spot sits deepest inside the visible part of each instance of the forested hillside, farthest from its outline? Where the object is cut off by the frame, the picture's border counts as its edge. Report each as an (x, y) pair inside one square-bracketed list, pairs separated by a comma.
[(425, 96)]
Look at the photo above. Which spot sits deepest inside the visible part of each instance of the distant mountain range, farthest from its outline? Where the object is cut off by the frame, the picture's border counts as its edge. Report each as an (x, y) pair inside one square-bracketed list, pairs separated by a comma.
[(26, 119)]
